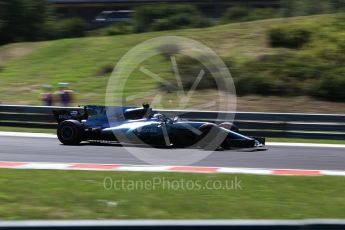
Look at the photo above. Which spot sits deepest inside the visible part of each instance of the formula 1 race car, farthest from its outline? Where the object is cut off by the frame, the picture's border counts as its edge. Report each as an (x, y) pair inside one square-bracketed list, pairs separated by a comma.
[(140, 125)]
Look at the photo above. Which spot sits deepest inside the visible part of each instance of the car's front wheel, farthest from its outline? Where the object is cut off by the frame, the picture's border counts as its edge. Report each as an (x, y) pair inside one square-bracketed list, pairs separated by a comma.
[(229, 126), (70, 132), (211, 136)]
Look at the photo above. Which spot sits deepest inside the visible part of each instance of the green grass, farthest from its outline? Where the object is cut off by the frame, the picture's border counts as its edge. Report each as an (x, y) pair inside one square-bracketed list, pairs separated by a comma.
[(26, 66), (49, 194), (301, 140)]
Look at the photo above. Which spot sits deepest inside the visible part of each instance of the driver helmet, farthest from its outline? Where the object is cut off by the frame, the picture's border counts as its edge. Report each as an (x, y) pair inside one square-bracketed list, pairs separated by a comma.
[(158, 116)]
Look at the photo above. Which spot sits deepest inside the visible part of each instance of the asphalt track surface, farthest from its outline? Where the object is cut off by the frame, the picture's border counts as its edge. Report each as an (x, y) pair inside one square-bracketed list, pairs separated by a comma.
[(30, 149)]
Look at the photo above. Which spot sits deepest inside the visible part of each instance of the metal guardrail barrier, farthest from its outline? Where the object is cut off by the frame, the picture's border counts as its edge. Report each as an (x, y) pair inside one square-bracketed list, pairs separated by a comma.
[(283, 125), (177, 224)]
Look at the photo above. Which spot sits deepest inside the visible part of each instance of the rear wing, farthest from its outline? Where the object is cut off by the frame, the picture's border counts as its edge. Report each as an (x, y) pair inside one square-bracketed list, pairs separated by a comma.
[(89, 111), (68, 114)]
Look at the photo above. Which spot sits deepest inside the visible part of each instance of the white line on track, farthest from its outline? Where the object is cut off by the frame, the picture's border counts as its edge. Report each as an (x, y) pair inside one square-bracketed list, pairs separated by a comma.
[(24, 134), (315, 145), (282, 144)]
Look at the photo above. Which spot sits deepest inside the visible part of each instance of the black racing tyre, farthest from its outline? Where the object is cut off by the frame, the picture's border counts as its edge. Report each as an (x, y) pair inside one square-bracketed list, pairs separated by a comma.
[(229, 126), (207, 139), (70, 132)]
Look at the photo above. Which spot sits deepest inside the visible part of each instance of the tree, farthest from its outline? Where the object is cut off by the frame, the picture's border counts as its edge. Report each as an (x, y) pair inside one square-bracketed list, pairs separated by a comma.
[(23, 20), (293, 8)]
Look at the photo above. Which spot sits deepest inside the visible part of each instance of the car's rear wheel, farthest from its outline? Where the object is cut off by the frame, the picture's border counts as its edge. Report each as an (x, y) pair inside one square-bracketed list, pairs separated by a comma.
[(70, 132)]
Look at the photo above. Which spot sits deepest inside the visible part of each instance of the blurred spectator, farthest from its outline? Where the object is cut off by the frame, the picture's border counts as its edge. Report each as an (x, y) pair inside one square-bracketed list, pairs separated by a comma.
[(47, 95), (65, 94)]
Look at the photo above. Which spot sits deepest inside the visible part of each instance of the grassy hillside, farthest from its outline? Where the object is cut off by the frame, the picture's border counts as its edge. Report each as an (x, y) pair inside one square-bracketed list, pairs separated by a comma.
[(83, 61)]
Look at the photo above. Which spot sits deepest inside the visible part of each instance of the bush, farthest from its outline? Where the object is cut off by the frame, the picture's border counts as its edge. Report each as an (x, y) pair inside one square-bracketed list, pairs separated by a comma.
[(314, 70), (64, 28), (236, 14), (118, 29), (244, 13), (303, 66), (279, 74), (289, 36), (105, 70), (167, 17), (189, 69), (332, 85), (260, 83), (294, 73), (163, 24), (70, 28)]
